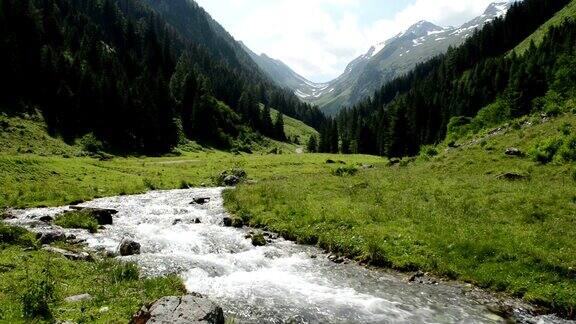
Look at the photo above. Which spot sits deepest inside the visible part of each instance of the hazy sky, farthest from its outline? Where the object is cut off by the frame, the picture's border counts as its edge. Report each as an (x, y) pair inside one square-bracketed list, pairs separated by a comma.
[(318, 38)]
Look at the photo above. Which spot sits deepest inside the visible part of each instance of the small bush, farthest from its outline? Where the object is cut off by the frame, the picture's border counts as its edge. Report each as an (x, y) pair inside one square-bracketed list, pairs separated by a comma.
[(566, 129), (345, 171), (77, 219), (90, 143), (125, 272), (568, 150), (17, 236), (428, 151), (544, 152), (37, 297)]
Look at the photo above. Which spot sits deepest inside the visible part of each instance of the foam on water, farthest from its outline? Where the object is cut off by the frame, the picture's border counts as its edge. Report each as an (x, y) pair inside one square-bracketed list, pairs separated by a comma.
[(276, 283)]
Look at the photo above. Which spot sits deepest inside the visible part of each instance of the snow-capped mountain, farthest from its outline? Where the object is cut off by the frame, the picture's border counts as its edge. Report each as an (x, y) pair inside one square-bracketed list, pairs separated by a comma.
[(381, 63)]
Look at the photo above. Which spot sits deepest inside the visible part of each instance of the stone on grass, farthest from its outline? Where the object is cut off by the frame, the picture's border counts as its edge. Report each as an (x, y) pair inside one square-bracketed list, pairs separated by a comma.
[(512, 151), (75, 256), (78, 298)]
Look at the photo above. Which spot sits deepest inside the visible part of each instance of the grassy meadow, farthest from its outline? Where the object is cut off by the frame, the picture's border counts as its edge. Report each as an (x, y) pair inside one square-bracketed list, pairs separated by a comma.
[(453, 214), (449, 211)]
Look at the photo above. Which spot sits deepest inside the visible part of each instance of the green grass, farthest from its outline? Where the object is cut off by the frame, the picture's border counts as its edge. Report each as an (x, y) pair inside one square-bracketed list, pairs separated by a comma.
[(34, 284), (538, 36), (448, 214), (31, 181), (445, 212), (296, 129), (78, 219)]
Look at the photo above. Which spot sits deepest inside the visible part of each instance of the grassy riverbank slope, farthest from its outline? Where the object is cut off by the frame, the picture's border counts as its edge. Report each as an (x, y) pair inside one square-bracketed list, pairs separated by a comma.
[(473, 213)]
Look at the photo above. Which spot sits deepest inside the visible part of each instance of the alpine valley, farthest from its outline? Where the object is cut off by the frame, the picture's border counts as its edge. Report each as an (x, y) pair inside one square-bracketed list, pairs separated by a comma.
[(382, 63)]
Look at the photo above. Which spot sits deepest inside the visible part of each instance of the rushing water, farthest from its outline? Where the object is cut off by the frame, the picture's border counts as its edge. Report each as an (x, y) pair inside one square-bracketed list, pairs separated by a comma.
[(280, 282)]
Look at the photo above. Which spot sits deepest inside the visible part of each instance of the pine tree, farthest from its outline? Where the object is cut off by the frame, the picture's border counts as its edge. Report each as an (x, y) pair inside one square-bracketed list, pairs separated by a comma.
[(279, 127), (312, 145)]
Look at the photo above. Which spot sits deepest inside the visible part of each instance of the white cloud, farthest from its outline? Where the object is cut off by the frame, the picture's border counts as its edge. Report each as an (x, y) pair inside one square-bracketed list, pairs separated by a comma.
[(317, 38)]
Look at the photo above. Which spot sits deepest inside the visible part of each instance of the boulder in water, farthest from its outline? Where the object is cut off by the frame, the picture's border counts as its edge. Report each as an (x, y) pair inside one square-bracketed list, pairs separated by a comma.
[(200, 200), (182, 310), (258, 239), (227, 221), (46, 219), (51, 237), (129, 247)]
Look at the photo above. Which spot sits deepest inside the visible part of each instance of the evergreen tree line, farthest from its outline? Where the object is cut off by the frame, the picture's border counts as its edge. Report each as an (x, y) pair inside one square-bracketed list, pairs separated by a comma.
[(416, 109), (117, 69)]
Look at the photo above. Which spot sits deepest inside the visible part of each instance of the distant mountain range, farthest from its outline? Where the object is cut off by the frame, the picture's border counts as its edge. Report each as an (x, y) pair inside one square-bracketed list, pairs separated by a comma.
[(383, 62)]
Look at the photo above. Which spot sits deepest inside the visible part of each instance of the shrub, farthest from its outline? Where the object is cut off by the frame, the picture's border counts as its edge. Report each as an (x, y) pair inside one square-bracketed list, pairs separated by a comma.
[(90, 143), (544, 152), (344, 171), (37, 297), (428, 151), (78, 219), (16, 235), (568, 150)]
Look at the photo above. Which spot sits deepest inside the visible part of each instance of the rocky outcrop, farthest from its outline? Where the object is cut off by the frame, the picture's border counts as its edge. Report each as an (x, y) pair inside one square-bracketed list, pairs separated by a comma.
[(180, 310), (128, 247)]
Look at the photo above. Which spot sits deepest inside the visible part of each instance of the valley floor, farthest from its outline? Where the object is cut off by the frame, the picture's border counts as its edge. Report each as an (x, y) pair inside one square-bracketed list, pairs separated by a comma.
[(470, 213)]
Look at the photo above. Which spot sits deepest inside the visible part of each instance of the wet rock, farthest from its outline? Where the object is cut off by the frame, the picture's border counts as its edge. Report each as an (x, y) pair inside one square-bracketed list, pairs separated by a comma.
[(51, 237), (512, 176), (129, 247), (416, 275), (176, 222), (77, 202), (75, 256), (6, 214), (335, 258), (512, 151), (182, 310), (227, 221), (313, 256), (200, 200), (103, 216), (78, 298), (258, 240), (237, 222), (197, 221), (46, 219)]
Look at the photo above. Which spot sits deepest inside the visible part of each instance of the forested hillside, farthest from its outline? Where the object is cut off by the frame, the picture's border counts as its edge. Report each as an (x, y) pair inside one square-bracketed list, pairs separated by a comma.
[(124, 73), (448, 91)]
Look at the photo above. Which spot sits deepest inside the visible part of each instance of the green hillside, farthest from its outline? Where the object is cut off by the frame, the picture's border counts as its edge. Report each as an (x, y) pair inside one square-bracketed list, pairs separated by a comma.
[(569, 12), (296, 129)]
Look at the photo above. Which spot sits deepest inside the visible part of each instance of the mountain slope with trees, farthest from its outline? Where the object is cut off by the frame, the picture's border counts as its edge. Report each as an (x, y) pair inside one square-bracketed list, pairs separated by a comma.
[(122, 72), (450, 90)]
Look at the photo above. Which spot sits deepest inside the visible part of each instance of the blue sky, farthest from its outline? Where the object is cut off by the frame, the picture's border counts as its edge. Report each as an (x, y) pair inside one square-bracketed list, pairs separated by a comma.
[(318, 38)]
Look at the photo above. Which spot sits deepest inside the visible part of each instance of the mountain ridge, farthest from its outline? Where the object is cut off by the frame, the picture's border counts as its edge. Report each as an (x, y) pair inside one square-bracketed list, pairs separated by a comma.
[(384, 61)]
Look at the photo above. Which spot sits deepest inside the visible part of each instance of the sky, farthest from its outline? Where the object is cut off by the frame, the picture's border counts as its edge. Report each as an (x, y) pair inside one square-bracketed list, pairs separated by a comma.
[(318, 38)]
